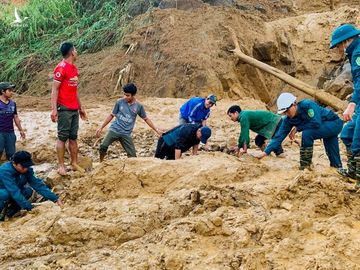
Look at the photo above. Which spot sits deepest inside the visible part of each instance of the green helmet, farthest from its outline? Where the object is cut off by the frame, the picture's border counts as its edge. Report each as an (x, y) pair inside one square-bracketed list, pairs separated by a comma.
[(342, 33)]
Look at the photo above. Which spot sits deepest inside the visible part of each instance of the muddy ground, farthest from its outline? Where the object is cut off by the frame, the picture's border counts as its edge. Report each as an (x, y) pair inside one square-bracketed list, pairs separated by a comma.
[(211, 211)]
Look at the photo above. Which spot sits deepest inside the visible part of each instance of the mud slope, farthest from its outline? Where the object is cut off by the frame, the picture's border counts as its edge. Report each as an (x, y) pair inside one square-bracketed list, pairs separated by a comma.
[(180, 53)]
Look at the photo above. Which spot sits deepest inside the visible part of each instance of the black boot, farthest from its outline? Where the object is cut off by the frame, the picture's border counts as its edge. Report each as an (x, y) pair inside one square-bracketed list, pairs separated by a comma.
[(3, 212), (357, 170), (350, 172), (306, 154), (351, 163)]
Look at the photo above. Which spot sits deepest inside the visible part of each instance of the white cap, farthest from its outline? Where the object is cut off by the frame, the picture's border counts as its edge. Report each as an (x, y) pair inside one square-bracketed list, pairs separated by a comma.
[(284, 102)]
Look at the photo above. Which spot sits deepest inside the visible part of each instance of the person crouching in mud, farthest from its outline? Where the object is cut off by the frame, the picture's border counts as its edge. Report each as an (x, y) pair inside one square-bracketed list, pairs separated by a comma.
[(180, 139), (314, 122)]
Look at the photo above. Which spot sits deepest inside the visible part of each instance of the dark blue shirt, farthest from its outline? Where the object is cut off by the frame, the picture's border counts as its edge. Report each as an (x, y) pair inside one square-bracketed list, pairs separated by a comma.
[(194, 110), (309, 115), (12, 181), (7, 113), (353, 53), (182, 137)]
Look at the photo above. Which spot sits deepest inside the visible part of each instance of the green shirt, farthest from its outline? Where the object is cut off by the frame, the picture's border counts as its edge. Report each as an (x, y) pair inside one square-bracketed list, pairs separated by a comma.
[(261, 122)]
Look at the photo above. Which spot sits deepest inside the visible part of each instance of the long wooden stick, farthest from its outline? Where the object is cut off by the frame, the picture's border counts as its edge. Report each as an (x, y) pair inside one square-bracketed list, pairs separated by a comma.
[(318, 94)]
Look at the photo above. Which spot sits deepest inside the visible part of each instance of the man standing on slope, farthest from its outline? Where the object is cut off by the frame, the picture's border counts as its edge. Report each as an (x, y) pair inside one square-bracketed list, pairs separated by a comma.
[(196, 110), (345, 39), (66, 106)]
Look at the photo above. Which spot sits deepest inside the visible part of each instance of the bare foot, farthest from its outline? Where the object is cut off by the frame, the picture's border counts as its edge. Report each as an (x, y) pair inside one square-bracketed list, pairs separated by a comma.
[(76, 167), (61, 170), (282, 155)]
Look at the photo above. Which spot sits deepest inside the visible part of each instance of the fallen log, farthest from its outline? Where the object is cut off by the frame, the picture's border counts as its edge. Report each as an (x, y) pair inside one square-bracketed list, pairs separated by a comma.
[(317, 94)]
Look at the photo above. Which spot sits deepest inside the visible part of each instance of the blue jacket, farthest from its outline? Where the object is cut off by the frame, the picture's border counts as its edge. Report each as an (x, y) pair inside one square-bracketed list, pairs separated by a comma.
[(12, 181), (353, 53), (309, 116), (194, 110)]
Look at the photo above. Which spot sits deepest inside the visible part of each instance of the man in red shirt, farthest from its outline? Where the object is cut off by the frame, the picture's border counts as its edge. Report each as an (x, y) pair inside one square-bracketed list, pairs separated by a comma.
[(66, 106)]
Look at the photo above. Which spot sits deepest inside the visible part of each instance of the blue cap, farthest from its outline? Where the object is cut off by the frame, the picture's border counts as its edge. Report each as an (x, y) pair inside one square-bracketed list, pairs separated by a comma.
[(212, 99), (205, 134), (342, 33)]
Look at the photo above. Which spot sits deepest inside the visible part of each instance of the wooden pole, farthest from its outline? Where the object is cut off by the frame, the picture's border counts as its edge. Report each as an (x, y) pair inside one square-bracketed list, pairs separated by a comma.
[(318, 94)]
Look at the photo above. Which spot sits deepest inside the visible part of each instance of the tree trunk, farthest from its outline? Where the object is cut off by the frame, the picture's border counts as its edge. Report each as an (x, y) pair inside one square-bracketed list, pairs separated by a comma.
[(317, 94)]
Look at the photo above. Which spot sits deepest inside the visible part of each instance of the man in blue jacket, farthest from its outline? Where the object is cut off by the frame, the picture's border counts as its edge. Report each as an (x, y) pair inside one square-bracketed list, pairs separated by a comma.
[(196, 110), (180, 139), (17, 181), (345, 39), (314, 122)]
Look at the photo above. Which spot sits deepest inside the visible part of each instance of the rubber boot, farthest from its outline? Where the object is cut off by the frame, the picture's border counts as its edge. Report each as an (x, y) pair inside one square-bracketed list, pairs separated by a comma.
[(351, 163), (306, 154), (357, 162), (350, 172), (3, 212)]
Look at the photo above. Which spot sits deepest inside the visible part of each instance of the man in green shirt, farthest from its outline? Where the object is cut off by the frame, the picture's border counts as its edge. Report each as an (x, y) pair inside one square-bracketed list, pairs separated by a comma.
[(264, 123)]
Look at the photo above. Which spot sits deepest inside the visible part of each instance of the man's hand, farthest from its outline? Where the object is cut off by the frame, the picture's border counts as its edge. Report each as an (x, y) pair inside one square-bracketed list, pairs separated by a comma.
[(159, 131), (54, 115), (259, 155), (22, 134), (83, 115), (348, 113), (98, 132), (292, 133), (59, 203)]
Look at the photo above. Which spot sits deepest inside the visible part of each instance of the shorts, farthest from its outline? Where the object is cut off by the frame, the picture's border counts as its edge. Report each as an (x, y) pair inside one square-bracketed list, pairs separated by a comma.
[(68, 124)]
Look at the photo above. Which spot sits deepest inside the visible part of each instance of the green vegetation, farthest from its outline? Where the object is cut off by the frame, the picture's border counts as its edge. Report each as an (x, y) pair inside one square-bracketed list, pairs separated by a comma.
[(27, 47)]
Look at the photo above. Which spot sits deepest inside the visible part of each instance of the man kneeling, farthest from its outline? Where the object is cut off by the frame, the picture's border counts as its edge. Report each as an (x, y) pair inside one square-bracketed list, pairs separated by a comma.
[(17, 181)]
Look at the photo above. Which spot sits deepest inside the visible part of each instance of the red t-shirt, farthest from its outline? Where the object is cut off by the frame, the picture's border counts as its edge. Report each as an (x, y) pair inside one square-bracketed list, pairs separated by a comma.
[(67, 75)]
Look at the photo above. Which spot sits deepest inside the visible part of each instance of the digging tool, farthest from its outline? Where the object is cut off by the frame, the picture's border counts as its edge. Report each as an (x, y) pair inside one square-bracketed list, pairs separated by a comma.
[(318, 94)]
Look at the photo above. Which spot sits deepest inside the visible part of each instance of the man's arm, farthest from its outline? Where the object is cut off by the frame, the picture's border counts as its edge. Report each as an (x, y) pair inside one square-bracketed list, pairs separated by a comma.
[(104, 124), (151, 124), (81, 110), (54, 98), (355, 98), (195, 149), (280, 135), (18, 125), (244, 138), (177, 153), (39, 186)]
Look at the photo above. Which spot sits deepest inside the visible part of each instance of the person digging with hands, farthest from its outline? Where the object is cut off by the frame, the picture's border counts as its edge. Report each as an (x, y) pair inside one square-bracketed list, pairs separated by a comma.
[(314, 122), (66, 107), (18, 182), (264, 123), (125, 112)]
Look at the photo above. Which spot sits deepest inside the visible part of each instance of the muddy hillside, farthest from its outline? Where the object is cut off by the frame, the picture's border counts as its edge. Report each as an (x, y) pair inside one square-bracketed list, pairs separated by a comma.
[(209, 211)]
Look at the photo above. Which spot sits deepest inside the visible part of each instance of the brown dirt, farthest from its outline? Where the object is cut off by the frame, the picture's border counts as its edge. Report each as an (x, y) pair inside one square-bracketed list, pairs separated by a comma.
[(211, 211)]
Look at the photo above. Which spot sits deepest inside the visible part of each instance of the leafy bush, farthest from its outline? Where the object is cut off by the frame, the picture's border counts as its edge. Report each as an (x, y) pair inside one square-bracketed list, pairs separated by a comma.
[(27, 47)]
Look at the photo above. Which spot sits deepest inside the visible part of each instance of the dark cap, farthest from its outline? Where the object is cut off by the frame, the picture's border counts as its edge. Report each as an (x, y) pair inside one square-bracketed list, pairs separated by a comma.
[(205, 134), (6, 85), (23, 158), (212, 99)]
